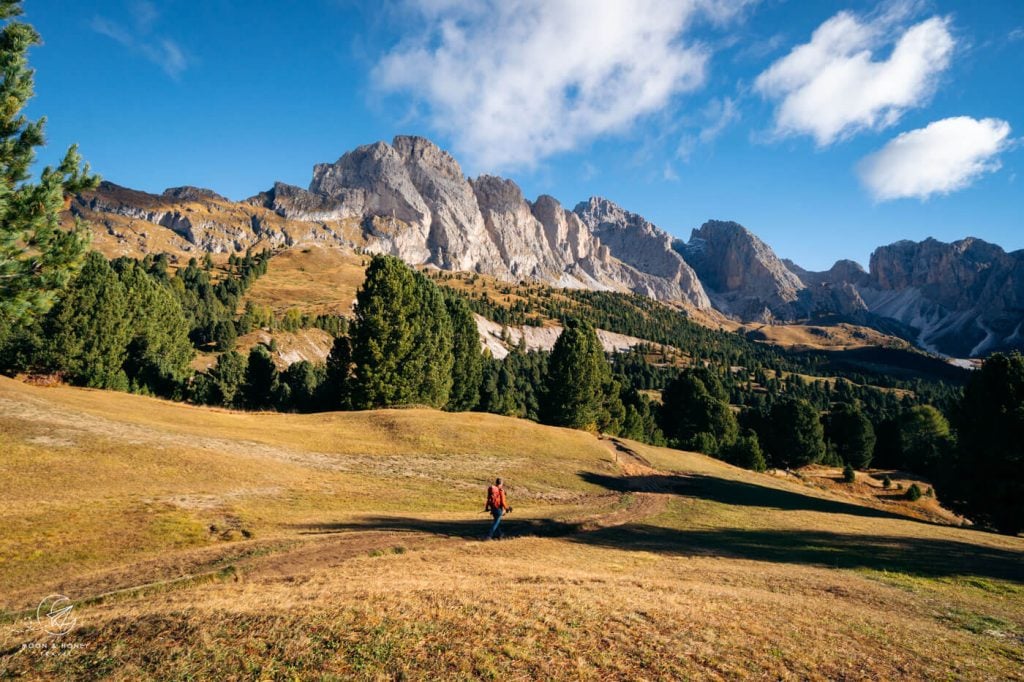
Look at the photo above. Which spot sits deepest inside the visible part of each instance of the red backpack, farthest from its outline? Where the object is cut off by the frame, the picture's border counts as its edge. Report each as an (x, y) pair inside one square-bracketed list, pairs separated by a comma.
[(494, 498)]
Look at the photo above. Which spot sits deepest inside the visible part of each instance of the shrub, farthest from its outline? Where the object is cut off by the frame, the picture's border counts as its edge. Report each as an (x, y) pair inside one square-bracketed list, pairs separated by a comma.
[(914, 493), (886, 482), (848, 475)]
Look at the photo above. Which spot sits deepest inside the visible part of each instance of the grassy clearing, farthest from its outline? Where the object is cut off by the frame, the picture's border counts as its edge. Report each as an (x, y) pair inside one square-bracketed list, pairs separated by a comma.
[(267, 546), (315, 279)]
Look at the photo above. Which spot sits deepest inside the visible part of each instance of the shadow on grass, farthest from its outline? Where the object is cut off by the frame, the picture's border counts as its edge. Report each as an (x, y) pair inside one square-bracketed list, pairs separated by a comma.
[(927, 557), (467, 529), (733, 492), (930, 557)]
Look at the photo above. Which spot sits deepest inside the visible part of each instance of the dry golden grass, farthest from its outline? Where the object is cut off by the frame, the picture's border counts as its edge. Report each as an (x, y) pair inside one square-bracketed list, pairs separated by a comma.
[(841, 336), (312, 278), (211, 544)]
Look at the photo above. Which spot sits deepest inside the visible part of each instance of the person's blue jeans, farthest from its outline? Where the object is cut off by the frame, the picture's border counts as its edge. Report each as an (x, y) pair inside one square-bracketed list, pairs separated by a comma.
[(497, 514)]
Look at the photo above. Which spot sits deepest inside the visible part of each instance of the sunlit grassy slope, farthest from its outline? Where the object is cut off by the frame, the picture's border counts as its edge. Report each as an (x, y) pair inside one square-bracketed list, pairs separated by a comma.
[(210, 544)]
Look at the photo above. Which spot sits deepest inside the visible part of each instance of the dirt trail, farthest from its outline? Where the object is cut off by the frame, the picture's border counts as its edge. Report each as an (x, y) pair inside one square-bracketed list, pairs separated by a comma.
[(630, 461), (646, 496)]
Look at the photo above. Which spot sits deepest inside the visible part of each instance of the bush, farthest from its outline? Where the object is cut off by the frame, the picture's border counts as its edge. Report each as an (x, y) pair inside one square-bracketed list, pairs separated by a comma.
[(886, 482), (913, 493), (848, 475)]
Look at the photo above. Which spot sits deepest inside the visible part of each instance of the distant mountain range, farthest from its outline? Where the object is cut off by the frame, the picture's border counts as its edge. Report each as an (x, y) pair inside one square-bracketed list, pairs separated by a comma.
[(411, 199)]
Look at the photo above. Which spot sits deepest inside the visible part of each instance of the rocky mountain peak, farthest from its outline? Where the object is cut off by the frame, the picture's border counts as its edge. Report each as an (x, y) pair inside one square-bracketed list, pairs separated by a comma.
[(498, 194), (422, 153), (844, 270), (642, 245), (743, 274)]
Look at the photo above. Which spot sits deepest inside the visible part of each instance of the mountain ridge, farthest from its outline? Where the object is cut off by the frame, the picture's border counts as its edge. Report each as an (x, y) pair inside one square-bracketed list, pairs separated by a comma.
[(411, 199)]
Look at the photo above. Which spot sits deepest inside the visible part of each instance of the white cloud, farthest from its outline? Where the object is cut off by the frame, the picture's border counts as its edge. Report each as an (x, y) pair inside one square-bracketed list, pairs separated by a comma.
[(138, 37), (834, 86), (940, 158), (720, 114), (713, 119), (514, 81)]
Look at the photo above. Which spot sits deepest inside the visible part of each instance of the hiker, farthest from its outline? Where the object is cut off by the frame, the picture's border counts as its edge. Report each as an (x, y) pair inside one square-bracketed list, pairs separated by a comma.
[(497, 505)]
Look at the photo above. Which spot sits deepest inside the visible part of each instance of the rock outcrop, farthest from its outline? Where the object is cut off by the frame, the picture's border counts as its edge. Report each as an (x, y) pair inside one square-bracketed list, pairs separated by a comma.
[(646, 248), (965, 298), (411, 199), (742, 274)]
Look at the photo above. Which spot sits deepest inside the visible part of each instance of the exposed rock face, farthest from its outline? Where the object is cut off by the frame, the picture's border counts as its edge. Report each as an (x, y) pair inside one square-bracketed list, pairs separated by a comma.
[(189, 193), (742, 274), (836, 290), (843, 271), (415, 203), (645, 247), (498, 339), (289, 201), (964, 298)]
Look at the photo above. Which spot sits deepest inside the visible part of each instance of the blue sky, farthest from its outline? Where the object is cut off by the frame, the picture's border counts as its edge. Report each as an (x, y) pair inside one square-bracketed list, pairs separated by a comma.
[(828, 128)]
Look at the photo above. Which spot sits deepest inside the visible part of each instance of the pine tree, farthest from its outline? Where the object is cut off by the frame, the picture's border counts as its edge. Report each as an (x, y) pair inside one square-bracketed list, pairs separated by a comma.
[(797, 436), (689, 409), (433, 350), (228, 376), (467, 358), (260, 388), (925, 438), (985, 478), (303, 380), (577, 378), (851, 434), (401, 339), (336, 390), (37, 257), (224, 335), (89, 329), (159, 353), (745, 452)]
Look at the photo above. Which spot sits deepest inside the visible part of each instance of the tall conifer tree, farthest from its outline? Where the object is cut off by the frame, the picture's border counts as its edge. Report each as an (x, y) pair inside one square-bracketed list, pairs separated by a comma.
[(89, 329), (37, 257), (577, 377), (401, 339), (467, 359)]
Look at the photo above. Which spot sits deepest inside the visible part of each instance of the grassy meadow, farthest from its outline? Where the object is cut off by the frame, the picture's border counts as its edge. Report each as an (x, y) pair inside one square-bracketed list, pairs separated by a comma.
[(202, 543)]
